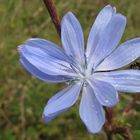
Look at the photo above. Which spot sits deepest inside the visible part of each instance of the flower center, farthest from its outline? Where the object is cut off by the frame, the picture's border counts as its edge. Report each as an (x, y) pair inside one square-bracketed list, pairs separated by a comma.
[(81, 71)]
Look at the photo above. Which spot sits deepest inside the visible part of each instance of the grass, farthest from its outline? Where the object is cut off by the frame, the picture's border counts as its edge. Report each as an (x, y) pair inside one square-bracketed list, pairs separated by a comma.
[(23, 97)]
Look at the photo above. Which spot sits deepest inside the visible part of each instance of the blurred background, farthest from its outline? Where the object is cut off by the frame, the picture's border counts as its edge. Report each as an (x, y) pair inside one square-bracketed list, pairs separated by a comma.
[(23, 97)]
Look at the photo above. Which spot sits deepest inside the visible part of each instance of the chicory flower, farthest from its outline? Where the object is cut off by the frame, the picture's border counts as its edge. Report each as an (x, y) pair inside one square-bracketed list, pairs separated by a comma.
[(94, 70)]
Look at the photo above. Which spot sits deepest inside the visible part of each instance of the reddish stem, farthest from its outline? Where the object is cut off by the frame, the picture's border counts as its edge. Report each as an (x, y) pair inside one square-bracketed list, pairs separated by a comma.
[(130, 105), (122, 130), (109, 115), (114, 129), (53, 14)]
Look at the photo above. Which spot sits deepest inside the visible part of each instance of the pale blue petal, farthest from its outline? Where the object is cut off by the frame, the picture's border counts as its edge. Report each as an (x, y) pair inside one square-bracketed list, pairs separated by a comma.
[(122, 80), (46, 60), (39, 74), (62, 101), (48, 47), (91, 111), (72, 37), (48, 118), (99, 25), (104, 92), (122, 56), (109, 40)]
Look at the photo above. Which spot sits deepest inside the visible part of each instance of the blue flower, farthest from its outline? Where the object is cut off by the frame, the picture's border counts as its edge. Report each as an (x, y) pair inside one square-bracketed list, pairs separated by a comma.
[(94, 71)]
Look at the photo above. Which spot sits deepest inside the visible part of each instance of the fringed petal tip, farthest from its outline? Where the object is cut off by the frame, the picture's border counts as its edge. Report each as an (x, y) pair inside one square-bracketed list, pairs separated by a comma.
[(19, 48), (46, 119)]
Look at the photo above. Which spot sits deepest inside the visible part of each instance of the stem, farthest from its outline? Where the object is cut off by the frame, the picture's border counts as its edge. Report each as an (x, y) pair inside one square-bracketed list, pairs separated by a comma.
[(122, 130), (109, 115), (111, 128), (130, 105), (53, 14), (108, 126)]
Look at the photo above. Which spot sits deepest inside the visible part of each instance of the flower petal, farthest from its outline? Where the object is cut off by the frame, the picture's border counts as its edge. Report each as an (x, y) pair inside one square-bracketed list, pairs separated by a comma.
[(104, 92), (45, 45), (109, 40), (49, 59), (39, 74), (91, 111), (122, 56), (72, 37), (122, 80), (99, 25), (61, 101)]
